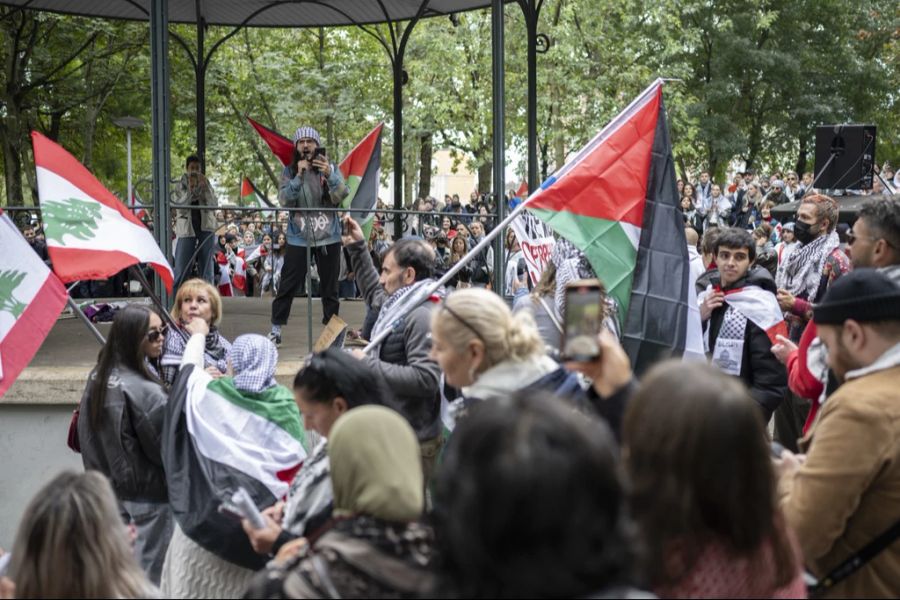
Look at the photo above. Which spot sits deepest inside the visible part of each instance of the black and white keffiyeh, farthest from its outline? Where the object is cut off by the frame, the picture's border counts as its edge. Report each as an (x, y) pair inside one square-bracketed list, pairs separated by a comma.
[(393, 308), (801, 273), (253, 359)]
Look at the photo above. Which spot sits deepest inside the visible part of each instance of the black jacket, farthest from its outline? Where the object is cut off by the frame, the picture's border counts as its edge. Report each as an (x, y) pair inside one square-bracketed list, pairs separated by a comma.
[(126, 446), (403, 357), (765, 377)]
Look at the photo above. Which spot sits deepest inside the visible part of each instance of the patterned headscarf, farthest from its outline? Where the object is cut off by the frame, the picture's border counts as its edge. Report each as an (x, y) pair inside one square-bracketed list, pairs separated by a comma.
[(307, 132), (253, 359), (571, 264)]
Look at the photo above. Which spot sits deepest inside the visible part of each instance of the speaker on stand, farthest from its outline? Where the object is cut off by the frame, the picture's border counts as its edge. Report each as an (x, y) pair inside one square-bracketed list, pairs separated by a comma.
[(845, 157)]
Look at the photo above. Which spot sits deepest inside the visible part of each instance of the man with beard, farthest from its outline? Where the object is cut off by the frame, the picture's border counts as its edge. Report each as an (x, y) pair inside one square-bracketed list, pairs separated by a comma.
[(844, 492), (403, 357), (310, 181), (808, 272)]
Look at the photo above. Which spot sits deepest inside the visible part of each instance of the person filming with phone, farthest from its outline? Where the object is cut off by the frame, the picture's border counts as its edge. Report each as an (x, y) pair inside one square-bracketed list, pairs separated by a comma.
[(193, 228), (310, 181)]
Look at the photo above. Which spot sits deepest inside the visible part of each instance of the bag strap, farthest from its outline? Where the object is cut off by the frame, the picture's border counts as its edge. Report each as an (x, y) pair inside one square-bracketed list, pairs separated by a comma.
[(857, 560)]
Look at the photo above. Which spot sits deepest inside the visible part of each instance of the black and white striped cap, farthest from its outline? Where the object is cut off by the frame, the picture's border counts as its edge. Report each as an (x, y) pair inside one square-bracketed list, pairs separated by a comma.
[(307, 132)]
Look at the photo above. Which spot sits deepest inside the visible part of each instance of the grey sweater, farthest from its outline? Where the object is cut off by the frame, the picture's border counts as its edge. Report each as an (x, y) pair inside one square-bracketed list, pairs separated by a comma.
[(402, 359)]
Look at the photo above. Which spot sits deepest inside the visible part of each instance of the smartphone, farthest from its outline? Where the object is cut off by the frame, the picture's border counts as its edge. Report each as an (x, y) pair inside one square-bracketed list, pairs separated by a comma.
[(320, 151), (582, 321), (345, 227)]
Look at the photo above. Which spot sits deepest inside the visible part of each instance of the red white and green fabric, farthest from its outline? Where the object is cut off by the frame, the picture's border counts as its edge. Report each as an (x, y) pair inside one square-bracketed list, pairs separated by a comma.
[(361, 169), (217, 438), (616, 200), (251, 196), (760, 307), (90, 233), (31, 298)]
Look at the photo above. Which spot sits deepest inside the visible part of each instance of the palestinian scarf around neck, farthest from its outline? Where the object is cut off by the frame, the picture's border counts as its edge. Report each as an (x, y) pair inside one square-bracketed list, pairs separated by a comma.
[(802, 271), (390, 310)]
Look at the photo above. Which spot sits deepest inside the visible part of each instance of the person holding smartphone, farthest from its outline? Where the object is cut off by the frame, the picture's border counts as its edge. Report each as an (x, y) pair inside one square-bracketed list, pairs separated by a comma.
[(194, 227), (310, 181)]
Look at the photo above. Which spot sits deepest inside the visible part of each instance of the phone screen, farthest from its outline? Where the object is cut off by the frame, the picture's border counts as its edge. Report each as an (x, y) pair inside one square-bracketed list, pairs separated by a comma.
[(583, 319), (320, 151)]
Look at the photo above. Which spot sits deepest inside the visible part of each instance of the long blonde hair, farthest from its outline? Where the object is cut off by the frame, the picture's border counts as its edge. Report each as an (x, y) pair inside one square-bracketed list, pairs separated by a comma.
[(506, 336), (71, 543)]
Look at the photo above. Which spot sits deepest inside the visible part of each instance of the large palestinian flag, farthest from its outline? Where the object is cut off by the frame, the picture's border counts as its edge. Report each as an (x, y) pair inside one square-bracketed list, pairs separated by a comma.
[(31, 298), (217, 439), (361, 170), (617, 201), (90, 233)]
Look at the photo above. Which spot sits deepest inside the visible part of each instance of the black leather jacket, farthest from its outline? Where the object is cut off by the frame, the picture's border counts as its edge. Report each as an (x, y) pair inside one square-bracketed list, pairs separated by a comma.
[(126, 446)]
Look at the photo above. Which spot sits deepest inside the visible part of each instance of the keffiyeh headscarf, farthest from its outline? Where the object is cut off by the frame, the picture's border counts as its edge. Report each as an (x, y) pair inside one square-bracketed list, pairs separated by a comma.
[(253, 359), (571, 264), (801, 273)]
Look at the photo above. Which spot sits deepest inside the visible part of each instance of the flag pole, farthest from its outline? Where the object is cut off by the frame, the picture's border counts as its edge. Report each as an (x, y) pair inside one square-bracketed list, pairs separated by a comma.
[(409, 305), (77, 310)]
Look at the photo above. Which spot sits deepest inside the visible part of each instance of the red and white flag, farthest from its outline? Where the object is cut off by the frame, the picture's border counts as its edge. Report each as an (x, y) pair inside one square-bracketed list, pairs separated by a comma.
[(31, 298), (760, 307), (90, 234)]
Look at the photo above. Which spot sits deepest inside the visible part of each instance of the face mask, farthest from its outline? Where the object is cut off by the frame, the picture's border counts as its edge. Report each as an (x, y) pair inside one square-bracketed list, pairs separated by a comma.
[(803, 232)]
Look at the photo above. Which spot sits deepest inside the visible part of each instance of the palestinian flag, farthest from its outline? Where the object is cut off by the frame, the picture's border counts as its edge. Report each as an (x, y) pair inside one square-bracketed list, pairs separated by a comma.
[(280, 146), (90, 234), (759, 306), (361, 169), (31, 298), (250, 196), (617, 202), (216, 439)]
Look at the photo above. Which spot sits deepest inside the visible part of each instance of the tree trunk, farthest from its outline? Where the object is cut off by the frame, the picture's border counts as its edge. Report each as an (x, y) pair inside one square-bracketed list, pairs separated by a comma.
[(485, 171), (426, 150), (12, 159)]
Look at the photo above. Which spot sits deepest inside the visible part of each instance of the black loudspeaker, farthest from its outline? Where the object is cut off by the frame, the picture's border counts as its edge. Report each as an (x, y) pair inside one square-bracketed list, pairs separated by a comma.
[(853, 149)]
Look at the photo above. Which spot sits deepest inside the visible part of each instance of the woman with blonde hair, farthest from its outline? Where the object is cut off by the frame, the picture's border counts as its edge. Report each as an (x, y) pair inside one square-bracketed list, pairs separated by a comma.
[(72, 544), (196, 299), (488, 352)]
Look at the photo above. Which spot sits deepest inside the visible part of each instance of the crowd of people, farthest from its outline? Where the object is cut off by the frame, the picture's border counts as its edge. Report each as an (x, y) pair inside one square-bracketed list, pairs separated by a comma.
[(463, 457)]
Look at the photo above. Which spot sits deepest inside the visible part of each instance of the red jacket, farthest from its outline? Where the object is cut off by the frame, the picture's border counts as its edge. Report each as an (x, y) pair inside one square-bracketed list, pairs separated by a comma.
[(800, 380)]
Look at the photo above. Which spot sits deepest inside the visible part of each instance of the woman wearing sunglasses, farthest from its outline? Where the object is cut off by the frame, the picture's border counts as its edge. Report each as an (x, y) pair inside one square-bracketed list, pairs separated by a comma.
[(119, 427)]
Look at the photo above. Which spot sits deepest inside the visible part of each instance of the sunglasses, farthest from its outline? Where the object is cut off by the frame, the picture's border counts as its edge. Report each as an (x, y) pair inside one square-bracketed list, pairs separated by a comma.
[(154, 334), (852, 237), (465, 323)]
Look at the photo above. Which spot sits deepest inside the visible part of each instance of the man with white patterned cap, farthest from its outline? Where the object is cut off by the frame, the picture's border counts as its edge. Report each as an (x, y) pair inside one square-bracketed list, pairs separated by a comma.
[(310, 181)]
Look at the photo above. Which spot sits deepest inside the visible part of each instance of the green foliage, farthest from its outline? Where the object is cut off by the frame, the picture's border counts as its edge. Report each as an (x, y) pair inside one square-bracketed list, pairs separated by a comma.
[(757, 77)]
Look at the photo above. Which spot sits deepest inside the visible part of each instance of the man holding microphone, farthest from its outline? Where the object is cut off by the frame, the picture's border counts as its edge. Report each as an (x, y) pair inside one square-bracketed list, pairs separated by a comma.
[(310, 181)]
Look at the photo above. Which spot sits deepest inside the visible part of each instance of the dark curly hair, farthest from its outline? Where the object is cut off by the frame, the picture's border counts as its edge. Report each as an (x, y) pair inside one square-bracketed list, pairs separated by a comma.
[(333, 372), (529, 502)]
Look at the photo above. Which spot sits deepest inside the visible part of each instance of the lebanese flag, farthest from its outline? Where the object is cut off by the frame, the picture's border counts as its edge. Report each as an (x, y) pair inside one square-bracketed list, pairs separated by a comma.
[(90, 234), (361, 169), (239, 277), (224, 283), (617, 201), (31, 298), (216, 439), (760, 307)]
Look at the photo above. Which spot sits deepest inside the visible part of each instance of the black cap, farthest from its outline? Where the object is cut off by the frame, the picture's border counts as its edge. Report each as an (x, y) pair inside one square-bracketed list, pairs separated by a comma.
[(864, 295)]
